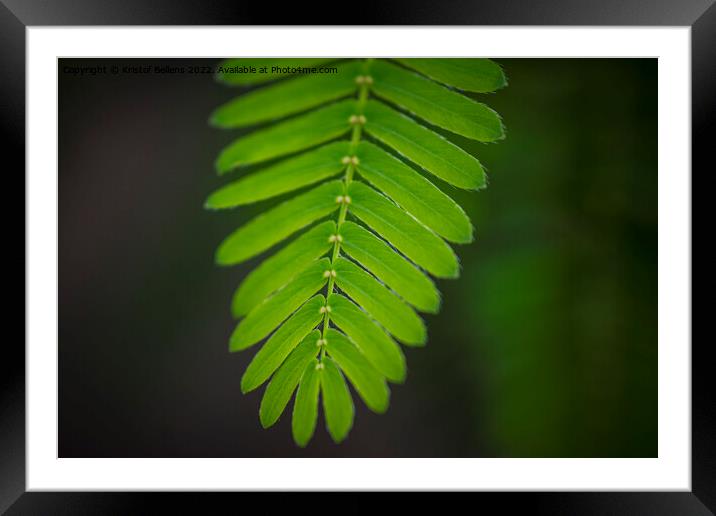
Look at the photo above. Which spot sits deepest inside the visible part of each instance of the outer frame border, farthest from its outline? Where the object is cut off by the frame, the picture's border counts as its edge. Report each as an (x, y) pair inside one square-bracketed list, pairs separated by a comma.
[(15, 15)]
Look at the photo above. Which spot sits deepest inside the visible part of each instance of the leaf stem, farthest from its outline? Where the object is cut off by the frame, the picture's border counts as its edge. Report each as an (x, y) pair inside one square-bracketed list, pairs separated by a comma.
[(363, 90)]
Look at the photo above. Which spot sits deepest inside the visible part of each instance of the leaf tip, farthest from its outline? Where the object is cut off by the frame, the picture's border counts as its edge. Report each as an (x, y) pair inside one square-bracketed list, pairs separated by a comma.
[(223, 166), (432, 309), (501, 130), (265, 420), (220, 258), (215, 120), (301, 442), (210, 203), (422, 341), (398, 377), (234, 345), (340, 435), (502, 80), (384, 404), (224, 255), (237, 341), (470, 237), (237, 309), (246, 386)]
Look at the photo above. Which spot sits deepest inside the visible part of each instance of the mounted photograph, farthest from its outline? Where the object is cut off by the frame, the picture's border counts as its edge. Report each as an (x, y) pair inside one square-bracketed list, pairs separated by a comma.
[(384, 257)]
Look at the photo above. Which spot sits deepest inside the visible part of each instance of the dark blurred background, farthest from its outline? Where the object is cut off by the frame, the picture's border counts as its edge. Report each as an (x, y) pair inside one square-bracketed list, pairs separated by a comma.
[(545, 347)]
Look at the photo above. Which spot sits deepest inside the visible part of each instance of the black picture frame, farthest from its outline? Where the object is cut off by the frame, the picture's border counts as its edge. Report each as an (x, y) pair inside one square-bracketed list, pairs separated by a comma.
[(17, 15)]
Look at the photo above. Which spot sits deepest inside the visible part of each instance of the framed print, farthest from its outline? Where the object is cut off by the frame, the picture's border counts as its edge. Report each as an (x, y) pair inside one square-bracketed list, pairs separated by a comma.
[(442, 251)]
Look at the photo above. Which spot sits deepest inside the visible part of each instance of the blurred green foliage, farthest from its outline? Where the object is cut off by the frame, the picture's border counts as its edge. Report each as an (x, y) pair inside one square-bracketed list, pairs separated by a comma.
[(560, 288)]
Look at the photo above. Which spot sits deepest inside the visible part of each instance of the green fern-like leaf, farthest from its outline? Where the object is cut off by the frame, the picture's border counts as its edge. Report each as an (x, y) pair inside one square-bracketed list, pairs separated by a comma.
[(369, 227)]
